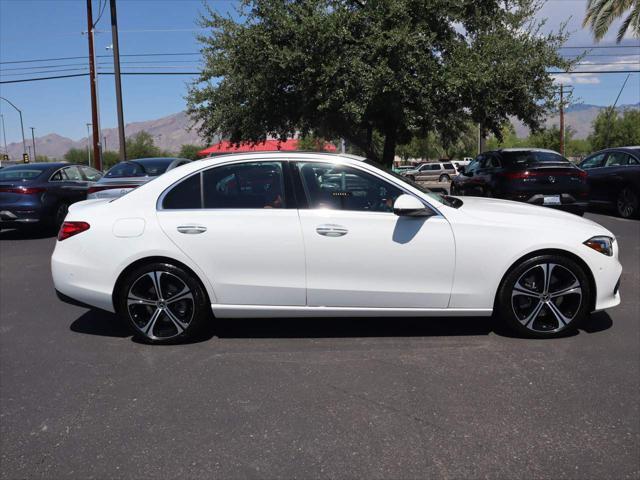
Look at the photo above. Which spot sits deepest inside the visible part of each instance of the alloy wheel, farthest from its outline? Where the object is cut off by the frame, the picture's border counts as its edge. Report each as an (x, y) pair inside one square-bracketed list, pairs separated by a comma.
[(627, 203), (160, 305), (546, 298)]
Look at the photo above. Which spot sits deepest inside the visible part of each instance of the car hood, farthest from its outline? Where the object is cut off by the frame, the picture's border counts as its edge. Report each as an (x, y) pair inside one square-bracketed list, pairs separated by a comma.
[(518, 213)]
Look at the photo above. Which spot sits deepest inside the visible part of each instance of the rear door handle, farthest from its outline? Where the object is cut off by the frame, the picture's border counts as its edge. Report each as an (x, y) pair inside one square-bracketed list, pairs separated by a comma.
[(331, 230), (192, 229)]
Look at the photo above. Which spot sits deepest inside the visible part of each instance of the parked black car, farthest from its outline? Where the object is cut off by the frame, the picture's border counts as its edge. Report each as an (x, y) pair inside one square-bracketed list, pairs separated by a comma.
[(536, 176), (614, 179), (40, 193)]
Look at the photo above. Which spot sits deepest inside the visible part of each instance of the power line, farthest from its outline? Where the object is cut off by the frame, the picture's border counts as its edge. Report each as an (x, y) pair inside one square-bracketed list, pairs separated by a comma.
[(100, 56), (593, 47)]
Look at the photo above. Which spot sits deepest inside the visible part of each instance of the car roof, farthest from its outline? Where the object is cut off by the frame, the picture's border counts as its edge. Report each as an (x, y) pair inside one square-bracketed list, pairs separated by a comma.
[(39, 165), (545, 150), (286, 155)]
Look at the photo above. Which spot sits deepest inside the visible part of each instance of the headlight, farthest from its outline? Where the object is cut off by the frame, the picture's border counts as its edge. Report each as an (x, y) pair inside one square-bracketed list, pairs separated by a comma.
[(603, 245)]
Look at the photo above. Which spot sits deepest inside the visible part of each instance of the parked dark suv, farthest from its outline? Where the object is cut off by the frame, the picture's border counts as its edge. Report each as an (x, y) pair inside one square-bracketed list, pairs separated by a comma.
[(536, 176), (614, 179)]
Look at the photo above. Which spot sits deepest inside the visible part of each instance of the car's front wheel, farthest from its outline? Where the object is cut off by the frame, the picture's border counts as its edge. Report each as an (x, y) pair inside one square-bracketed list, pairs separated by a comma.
[(163, 303), (627, 203), (544, 296), (444, 178)]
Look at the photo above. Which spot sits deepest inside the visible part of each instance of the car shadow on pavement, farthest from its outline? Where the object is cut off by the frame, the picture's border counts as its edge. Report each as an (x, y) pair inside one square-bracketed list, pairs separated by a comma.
[(101, 323), (26, 234)]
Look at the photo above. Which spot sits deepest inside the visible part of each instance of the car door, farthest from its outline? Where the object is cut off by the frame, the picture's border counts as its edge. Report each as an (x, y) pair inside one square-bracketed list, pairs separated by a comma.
[(75, 186), (359, 253), (593, 165), (611, 176), (239, 224), (471, 181)]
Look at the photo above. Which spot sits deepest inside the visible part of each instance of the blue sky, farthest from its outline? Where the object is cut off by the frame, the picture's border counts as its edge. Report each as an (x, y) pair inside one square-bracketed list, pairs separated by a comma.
[(37, 29)]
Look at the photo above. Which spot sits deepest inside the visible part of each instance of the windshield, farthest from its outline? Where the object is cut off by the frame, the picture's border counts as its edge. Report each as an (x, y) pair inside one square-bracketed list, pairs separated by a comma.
[(151, 167), (19, 173), (525, 157), (446, 199)]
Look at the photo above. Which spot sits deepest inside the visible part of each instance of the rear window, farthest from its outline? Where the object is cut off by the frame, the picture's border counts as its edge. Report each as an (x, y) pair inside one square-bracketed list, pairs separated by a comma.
[(18, 173), (525, 157), (125, 169)]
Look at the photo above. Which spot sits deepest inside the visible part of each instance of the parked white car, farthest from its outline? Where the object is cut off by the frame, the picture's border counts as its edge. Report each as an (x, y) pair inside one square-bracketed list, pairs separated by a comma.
[(310, 234)]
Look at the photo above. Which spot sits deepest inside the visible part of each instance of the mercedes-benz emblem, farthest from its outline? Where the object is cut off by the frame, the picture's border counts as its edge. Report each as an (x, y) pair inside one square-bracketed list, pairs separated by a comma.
[(552, 179)]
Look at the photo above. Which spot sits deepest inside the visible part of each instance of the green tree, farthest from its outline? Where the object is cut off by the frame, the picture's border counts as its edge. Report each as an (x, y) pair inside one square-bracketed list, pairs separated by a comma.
[(391, 69), (109, 159), (601, 14), (77, 155), (190, 151), (612, 129), (43, 158), (141, 145)]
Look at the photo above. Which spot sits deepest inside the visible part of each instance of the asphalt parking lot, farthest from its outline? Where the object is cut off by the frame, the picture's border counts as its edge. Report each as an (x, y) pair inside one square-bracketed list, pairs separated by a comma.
[(384, 398)]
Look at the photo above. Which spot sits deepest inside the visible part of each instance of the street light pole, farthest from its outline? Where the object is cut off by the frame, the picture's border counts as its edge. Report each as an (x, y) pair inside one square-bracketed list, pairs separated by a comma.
[(4, 135), (24, 143), (33, 142), (93, 83)]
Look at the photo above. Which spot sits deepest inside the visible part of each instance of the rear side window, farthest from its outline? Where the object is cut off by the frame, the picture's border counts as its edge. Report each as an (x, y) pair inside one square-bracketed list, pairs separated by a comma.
[(73, 173), (185, 195), (245, 185), (447, 166), (593, 162)]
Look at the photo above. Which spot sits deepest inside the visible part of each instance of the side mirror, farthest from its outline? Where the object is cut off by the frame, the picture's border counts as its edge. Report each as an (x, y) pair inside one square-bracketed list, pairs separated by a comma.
[(409, 206)]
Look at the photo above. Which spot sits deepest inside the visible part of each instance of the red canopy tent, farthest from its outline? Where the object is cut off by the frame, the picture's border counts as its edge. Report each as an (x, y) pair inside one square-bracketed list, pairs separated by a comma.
[(266, 146)]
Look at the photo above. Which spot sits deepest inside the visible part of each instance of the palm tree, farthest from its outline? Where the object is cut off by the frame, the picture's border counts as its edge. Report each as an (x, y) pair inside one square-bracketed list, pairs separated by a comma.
[(602, 13)]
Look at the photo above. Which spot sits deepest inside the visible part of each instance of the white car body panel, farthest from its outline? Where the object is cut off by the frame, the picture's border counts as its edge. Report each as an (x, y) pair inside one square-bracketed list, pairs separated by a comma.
[(270, 263)]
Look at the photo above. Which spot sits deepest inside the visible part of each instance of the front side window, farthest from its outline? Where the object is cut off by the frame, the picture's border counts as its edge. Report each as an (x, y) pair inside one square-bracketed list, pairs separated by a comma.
[(616, 159), (593, 162), (340, 187), (245, 185)]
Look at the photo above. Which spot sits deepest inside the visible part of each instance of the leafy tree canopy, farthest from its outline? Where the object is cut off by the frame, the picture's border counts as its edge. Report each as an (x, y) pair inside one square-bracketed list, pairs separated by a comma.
[(142, 145), (77, 155), (612, 129), (190, 151), (356, 69)]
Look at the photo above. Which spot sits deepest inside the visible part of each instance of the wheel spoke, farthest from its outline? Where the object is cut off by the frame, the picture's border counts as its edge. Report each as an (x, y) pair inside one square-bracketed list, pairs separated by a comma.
[(519, 290), (155, 279), (574, 289), (136, 300), (180, 326), (533, 315), (548, 270), (562, 319), (184, 293), (148, 328)]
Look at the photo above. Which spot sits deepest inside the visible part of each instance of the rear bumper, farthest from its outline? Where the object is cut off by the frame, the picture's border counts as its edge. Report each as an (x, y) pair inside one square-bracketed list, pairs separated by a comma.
[(17, 217)]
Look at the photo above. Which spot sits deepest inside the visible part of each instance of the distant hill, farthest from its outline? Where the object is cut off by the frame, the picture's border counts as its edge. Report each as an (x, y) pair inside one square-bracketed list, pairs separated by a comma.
[(173, 131), (169, 134)]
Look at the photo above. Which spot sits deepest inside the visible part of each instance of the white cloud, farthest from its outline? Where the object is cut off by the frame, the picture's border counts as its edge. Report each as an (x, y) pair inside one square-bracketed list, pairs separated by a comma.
[(582, 79)]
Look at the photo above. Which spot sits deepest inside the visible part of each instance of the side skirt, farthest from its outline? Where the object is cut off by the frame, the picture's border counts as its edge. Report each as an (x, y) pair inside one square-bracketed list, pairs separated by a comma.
[(278, 311)]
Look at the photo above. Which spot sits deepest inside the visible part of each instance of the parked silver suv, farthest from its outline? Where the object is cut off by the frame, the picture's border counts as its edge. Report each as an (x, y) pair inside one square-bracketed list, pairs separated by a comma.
[(432, 172)]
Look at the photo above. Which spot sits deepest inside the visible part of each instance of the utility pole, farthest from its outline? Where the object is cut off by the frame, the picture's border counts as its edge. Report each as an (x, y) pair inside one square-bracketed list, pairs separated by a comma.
[(93, 81), (612, 111), (88, 144), (24, 143), (562, 119), (116, 71), (104, 144), (4, 135), (33, 142)]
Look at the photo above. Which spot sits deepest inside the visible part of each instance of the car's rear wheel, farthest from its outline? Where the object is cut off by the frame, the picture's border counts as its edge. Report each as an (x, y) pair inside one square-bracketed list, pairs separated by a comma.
[(627, 203), (545, 296), (163, 303), (59, 215)]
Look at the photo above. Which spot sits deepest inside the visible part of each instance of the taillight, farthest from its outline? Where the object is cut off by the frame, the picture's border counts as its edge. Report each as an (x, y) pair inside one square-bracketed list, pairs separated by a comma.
[(69, 229), (95, 189), (22, 190)]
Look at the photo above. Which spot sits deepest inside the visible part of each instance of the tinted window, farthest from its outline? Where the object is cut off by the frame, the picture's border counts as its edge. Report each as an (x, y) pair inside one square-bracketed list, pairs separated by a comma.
[(245, 185), (155, 166), (593, 162), (633, 161), (91, 174), (447, 166), (617, 158), (184, 195), (73, 173), (59, 176), (525, 157), (344, 188), (125, 169), (18, 173)]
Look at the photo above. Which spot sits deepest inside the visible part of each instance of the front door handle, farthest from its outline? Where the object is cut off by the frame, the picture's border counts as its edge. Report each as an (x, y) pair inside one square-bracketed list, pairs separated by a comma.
[(331, 230), (192, 229)]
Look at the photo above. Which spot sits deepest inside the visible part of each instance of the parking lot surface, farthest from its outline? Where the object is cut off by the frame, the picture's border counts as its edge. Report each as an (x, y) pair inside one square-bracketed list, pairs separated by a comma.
[(312, 398)]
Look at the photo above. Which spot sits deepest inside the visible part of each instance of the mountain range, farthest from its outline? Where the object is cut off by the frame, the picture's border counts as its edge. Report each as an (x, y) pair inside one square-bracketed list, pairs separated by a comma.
[(172, 131)]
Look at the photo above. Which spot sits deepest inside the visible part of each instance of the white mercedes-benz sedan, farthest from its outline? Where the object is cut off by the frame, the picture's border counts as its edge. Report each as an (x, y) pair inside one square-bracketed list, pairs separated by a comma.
[(309, 235)]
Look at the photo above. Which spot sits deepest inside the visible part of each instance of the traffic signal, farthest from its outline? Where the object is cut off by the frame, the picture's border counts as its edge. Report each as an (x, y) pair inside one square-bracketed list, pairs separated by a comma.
[(25, 158)]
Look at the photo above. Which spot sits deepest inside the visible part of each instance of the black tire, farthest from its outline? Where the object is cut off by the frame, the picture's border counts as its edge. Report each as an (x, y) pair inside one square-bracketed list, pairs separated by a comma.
[(59, 214), (627, 203), (444, 178), (174, 321), (517, 306), (411, 177)]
